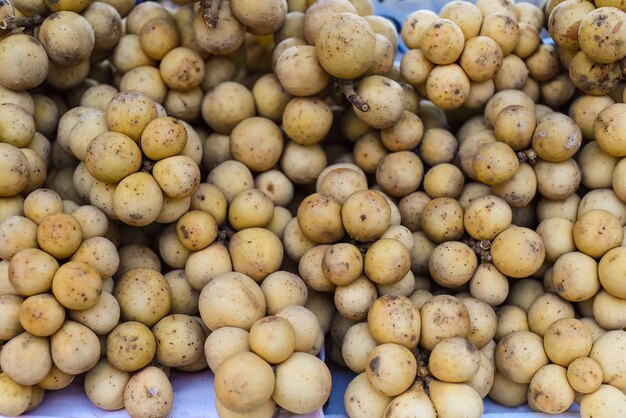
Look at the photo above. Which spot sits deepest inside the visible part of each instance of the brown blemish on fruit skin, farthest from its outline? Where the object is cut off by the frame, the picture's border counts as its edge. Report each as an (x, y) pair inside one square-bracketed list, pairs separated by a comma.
[(374, 365)]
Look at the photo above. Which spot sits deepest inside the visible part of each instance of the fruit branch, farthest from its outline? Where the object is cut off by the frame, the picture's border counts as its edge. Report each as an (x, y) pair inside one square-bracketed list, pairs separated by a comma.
[(211, 12), (528, 156), (15, 22), (347, 88)]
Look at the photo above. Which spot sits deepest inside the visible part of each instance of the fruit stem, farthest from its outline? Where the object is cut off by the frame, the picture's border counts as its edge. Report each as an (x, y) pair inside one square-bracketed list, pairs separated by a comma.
[(528, 156), (14, 22), (147, 165), (211, 12), (482, 248), (225, 233), (347, 88)]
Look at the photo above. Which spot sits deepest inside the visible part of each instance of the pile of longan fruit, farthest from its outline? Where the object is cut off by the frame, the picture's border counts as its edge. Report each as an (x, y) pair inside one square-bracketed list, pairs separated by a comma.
[(242, 185)]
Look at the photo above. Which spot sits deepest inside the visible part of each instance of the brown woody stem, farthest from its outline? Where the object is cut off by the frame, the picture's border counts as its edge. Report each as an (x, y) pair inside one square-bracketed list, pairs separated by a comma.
[(211, 12), (14, 22), (347, 88), (528, 156)]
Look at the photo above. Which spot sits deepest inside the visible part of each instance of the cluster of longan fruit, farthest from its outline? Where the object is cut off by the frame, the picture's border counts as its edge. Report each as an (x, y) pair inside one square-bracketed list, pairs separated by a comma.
[(590, 38), (235, 185), (460, 57)]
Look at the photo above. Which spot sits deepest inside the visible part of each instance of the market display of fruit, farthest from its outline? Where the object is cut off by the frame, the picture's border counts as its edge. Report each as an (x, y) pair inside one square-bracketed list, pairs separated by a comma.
[(235, 185)]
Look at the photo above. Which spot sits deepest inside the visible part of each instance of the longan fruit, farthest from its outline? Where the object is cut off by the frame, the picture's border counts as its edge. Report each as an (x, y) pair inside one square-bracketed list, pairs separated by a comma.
[(486, 216), (603, 23), (310, 268), (387, 261), (67, 37), (144, 295), (513, 74), (256, 252), (413, 27), (308, 392), (415, 67), (437, 146), (158, 36), (453, 41), (584, 110), (575, 276), (320, 218), (307, 120), (454, 360), (302, 164), (14, 170), (112, 156), (257, 142), (584, 375), (605, 199), (130, 346), (345, 45), (391, 368), (223, 115), (505, 98), (481, 58), (128, 54), (98, 96), (442, 220), (609, 269), (385, 99), (41, 315), (137, 200), (447, 86), (31, 271), (507, 392), (77, 285), (149, 392), (250, 208), (129, 113), (503, 29), (341, 183), (106, 23), (270, 97), (529, 41), (556, 137), (299, 63), (519, 355), (566, 340), (597, 167), (483, 321), (452, 264), (442, 316), (495, 163), (399, 173), (557, 181), (479, 94), (489, 285), (342, 264), (518, 252), (24, 60), (608, 310), (59, 234), (354, 300), (182, 69), (549, 390), (41, 203), (547, 309), (368, 151), (196, 230), (596, 232), (178, 176), (607, 125), (365, 215)]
